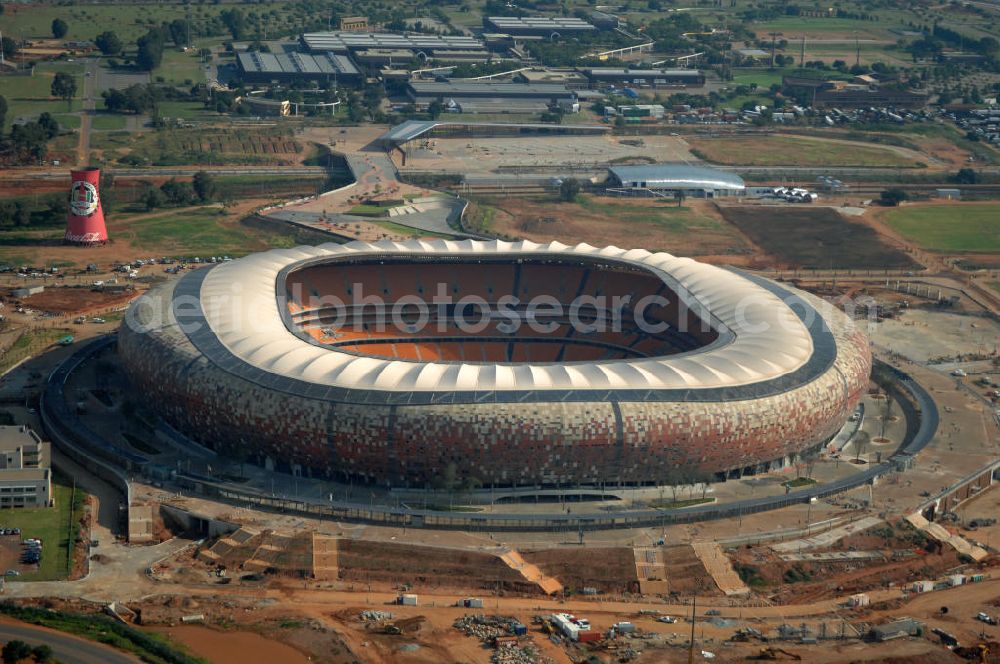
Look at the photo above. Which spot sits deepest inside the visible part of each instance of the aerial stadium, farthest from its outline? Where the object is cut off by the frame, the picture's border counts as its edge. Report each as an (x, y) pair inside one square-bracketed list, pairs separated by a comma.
[(516, 364)]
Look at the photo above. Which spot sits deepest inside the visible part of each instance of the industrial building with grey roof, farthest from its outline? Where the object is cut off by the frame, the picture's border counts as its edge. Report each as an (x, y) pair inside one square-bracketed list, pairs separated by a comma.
[(257, 67), (349, 42), (536, 26), (660, 179)]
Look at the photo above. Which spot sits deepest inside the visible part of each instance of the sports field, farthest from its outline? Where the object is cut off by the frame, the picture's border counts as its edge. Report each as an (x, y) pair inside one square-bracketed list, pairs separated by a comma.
[(959, 227), (780, 150)]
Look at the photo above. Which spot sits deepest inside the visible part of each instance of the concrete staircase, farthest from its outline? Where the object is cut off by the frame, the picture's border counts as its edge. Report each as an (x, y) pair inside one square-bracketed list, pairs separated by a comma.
[(651, 570), (532, 573), (719, 566)]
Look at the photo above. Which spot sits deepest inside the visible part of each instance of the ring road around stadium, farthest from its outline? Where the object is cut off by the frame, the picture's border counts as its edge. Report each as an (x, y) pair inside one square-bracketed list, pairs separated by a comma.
[(275, 358)]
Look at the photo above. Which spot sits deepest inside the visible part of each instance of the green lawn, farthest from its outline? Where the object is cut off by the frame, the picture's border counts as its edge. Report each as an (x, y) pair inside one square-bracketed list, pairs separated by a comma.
[(131, 21), (199, 231), (31, 95), (407, 230), (995, 285), (798, 25), (107, 122), (68, 121), (186, 110), (52, 525), (971, 228), (180, 68)]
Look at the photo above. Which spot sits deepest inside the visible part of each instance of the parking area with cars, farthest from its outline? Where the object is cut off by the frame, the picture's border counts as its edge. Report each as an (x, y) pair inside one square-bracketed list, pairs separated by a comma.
[(19, 555)]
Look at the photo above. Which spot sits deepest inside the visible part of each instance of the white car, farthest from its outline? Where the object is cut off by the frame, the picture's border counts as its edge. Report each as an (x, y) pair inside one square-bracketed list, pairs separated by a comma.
[(959, 373), (670, 620)]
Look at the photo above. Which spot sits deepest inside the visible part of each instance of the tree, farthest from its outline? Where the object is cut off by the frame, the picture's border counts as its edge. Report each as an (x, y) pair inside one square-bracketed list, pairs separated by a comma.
[(109, 43), (176, 192), (179, 31), (152, 198), (49, 125), (15, 651), (9, 47), (59, 28), (3, 112), (204, 186), (435, 109), (150, 52), (893, 197), (64, 87), (42, 654), (679, 196), (569, 189), (964, 175)]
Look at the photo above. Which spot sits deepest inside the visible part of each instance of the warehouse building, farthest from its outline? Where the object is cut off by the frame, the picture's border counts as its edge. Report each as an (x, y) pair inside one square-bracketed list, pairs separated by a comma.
[(327, 68), (536, 26), (669, 179), (419, 46), (479, 97), (645, 78)]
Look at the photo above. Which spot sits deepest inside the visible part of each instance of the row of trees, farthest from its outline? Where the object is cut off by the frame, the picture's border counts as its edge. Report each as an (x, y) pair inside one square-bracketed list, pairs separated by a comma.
[(26, 142), (173, 192)]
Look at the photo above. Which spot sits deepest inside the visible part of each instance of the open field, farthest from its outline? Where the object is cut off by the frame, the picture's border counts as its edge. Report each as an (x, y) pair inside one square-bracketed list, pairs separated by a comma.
[(830, 28), (195, 231), (780, 150), (129, 21), (694, 229), (180, 68), (210, 146), (957, 227), (28, 96), (811, 237), (52, 525), (203, 231)]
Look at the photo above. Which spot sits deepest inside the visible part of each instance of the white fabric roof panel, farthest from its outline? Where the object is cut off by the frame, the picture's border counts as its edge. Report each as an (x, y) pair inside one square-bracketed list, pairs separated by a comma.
[(768, 340)]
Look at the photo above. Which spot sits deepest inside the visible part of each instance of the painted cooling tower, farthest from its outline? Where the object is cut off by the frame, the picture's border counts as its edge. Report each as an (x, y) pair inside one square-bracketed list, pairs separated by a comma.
[(85, 219)]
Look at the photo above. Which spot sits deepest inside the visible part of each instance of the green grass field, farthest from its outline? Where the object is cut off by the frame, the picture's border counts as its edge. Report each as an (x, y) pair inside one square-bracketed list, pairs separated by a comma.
[(959, 228), (186, 110), (180, 68), (127, 20), (31, 95), (52, 525), (794, 151), (199, 231)]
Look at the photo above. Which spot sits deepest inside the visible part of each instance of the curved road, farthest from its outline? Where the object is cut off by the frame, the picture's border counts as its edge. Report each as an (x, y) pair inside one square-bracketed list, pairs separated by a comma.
[(66, 648)]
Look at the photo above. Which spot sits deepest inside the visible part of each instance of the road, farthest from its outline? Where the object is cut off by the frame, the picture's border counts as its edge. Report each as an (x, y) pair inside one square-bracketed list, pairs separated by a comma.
[(66, 648), (153, 172), (83, 148)]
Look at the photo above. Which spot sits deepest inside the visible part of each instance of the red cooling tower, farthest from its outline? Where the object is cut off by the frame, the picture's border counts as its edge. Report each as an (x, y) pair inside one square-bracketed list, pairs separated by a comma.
[(85, 219)]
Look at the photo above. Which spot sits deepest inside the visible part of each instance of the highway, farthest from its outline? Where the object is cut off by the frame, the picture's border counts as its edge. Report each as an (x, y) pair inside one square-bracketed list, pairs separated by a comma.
[(66, 648)]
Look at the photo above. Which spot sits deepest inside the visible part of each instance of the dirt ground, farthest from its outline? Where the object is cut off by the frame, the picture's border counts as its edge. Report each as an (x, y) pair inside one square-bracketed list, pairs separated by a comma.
[(815, 237), (648, 223), (76, 301)]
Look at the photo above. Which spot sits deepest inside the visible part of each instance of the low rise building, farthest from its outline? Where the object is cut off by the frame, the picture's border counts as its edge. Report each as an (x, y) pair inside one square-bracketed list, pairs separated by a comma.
[(25, 468), (645, 78), (537, 26), (353, 23)]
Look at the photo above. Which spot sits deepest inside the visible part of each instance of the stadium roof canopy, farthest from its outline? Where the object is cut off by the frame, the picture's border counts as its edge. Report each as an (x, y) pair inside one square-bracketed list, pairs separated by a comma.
[(762, 338), (677, 176), (412, 129), (556, 23)]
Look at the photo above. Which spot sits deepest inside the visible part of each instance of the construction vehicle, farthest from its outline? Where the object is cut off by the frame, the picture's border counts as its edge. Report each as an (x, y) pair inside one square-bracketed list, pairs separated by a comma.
[(772, 654), (979, 653), (389, 628)]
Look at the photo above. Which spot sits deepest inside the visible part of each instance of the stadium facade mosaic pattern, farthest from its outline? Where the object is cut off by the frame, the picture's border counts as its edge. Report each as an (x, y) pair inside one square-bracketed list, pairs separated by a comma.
[(777, 371)]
